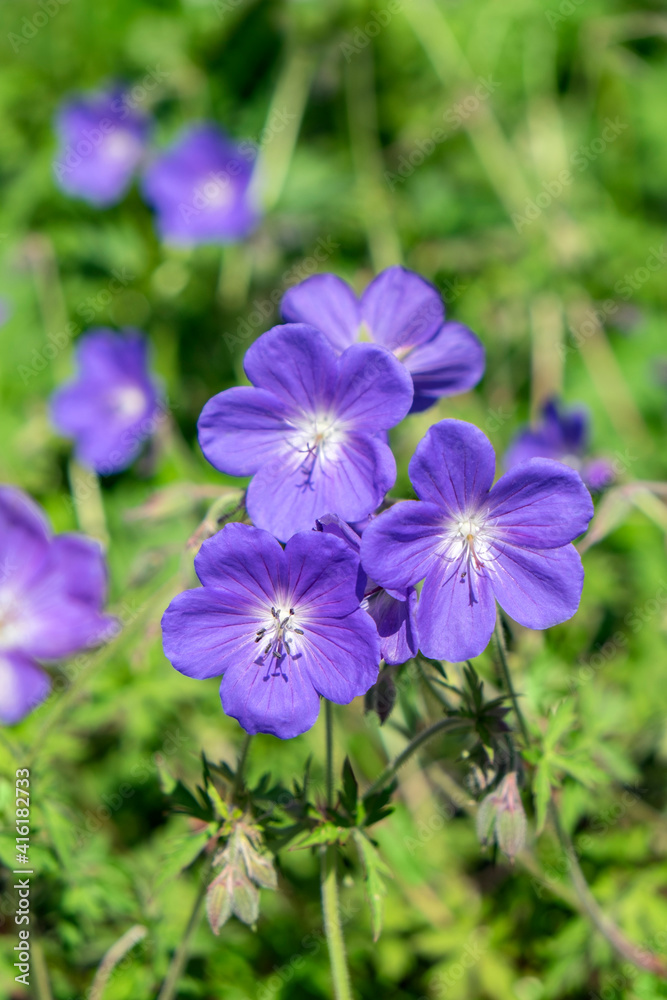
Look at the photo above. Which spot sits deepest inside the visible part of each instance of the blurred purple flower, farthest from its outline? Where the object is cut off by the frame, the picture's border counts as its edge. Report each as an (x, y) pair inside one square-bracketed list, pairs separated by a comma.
[(307, 429), (199, 189), (563, 435), (394, 617), (473, 544), (282, 627), (52, 590), (401, 312), (102, 141), (111, 407)]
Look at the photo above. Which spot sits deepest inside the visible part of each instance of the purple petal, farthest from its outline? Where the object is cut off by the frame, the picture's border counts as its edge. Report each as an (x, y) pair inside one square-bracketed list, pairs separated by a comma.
[(400, 546), (451, 362), (243, 560), (283, 703), (199, 188), (401, 309), (453, 466), (396, 624), (242, 428), (342, 656), (538, 588), (597, 473), (541, 504), (78, 563), (291, 493), (23, 686), (327, 303), (321, 575), (374, 389), (206, 632), (296, 363), (456, 618), (332, 524), (24, 538)]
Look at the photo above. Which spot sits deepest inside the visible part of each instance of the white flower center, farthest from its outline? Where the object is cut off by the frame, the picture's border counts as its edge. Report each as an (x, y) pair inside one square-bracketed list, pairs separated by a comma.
[(129, 402), (317, 438), (278, 638), (11, 627), (121, 145), (214, 192), (468, 546)]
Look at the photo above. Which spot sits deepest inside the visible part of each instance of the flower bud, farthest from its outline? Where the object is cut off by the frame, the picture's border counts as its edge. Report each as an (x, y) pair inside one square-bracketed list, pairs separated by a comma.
[(501, 817)]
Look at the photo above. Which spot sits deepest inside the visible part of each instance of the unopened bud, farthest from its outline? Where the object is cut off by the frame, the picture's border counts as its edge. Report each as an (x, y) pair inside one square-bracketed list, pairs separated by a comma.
[(501, 816)]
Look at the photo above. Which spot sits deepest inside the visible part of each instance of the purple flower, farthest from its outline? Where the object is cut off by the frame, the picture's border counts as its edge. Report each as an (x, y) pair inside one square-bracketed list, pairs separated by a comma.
[(401, 312), (394, 617), (110, 409), (473, 544), (307, 428), (282, 627), (562, 435), (102, 141), (52, 590), (199, 189)]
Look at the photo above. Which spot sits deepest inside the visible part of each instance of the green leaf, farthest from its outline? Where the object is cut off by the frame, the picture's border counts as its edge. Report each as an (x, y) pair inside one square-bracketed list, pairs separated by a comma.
[(350, 793), (375, 874), (562, 721), (325, 833), (542, 792)]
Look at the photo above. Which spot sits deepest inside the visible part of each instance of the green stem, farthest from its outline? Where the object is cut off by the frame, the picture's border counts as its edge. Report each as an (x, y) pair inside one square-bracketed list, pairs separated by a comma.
[(507, 677), (333, 927), (330, 902), (415, 744), (177, 964), (42, 984), (179, 959), (328, 710), (113, 956), (639, 957), (240, 767)]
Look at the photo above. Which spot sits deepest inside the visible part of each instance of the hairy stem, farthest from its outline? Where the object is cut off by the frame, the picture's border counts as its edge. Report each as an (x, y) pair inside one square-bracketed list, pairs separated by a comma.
[(639, 957), (413, 745), (329, 880), (179, 959), (507, 677)]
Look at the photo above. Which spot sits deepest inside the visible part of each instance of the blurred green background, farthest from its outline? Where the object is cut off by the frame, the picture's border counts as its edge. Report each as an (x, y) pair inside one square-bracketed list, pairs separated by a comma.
[(513, 153)]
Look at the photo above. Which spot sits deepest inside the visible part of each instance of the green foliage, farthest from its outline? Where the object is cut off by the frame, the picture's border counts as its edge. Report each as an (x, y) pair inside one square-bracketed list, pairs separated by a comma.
[(572, 300)]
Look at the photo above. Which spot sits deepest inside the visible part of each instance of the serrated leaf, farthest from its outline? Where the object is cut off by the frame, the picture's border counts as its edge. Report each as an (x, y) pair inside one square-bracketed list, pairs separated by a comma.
[(581, 769), (219, 900), (542, 793), (325, 833), (561, 721), (183, 852), (375, 872)]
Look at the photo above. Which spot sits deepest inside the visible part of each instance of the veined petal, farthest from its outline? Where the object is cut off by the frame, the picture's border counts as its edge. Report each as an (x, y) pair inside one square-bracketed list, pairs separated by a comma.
[(283, 702), (396, 624), (456, 617), (241, 428), (374, 390), (401, 309), (24, 539), (327, 303), (399, 547), (538, 588), (288, 495), (453, 466), (297, 364), (245, 561), (204, 633), (540, 503), (342, 656), (449, 363), (321, 575)]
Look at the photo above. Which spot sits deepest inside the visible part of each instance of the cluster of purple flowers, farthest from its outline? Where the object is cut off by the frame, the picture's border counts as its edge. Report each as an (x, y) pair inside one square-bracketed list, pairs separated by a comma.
[(355, 584), (199, 187)]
